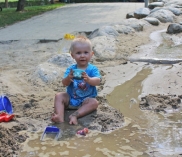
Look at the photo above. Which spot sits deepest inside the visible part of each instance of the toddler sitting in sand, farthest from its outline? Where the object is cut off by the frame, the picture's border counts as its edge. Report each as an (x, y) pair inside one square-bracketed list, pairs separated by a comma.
[(81, 93)]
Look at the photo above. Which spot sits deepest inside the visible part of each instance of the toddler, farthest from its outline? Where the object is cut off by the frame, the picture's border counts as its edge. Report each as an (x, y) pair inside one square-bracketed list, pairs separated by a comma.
[(81, 93)]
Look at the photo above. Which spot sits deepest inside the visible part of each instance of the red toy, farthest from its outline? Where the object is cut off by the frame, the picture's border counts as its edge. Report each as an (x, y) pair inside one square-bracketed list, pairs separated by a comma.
[(5, 117), (83, 131)]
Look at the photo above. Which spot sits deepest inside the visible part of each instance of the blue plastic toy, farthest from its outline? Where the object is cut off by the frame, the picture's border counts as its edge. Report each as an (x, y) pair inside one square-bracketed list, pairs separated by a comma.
[(77, 73), (5, 104), (51, 130)]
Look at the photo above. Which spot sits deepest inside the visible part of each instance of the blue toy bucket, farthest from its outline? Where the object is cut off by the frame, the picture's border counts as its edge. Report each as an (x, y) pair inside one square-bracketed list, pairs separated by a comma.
[(5, 104)]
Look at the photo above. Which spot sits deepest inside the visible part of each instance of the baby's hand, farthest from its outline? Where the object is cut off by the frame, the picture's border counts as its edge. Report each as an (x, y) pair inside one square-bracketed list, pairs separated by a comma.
[(70, 76), (85, 77)]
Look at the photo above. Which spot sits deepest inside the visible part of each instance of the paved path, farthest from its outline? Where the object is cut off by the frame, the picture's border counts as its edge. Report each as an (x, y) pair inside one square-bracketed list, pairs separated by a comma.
[(73, 17)]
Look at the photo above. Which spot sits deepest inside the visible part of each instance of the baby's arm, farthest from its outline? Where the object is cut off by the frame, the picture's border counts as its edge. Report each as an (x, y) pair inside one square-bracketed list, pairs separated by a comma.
[(94, 81), (67, 80)]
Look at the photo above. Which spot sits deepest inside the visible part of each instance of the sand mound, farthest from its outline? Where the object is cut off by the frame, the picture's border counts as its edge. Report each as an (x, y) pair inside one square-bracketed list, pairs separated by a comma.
[(160, 102)]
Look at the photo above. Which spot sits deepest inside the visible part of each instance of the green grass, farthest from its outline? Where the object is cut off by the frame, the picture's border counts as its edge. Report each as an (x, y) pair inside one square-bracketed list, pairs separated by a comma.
[(8, 0), (10, 16)]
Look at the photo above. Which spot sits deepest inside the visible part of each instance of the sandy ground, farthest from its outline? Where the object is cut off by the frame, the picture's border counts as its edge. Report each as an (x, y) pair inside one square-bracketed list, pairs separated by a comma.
[(33, 100)]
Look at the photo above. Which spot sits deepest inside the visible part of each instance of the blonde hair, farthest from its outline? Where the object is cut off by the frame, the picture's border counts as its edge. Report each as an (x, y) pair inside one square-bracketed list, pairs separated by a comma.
[(80, 39)]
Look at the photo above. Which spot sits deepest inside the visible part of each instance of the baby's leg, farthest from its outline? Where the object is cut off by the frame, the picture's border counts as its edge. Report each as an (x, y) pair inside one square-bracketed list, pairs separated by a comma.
[(60, 102), (87, 107)]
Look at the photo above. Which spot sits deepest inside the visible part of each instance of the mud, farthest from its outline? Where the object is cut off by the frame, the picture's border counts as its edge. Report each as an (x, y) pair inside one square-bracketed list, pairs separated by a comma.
[(160, 102)]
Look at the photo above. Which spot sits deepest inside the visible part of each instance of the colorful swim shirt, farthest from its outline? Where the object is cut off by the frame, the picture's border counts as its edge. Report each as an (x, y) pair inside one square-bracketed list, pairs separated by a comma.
[(79, 90)]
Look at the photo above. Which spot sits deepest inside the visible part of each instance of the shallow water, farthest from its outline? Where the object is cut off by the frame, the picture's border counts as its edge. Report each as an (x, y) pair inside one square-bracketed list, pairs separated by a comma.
[(163, 48)]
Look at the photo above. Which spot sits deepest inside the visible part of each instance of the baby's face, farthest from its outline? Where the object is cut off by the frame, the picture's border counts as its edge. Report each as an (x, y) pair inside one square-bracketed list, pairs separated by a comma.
[(82, 54)]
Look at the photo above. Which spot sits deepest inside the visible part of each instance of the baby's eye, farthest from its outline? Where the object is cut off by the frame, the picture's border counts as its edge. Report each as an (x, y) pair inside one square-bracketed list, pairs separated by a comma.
[(78, 53), (86, 52)]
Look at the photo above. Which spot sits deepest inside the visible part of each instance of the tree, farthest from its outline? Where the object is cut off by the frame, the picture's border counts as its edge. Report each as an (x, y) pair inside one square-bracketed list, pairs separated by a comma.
[(20, 5), (6, 3)]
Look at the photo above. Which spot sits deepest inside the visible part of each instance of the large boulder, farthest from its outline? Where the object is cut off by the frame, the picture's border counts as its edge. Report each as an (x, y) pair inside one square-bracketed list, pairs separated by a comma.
[(141, 13), (47, 72), (155, 4), (163, 15), (175, 11), (134, 23), (104, 47), (152, 21), (104, 31), (62, 60), (124, 29), (130, 15), (174, 28)]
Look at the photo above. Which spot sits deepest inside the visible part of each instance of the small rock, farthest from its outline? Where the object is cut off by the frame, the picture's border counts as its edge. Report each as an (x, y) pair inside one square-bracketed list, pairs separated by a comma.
[(62, 60), (141, 13), (130, 15), (175, 11), (174, 28), (104, 31), (155, 4), (104, 47), (152, 20), (136, 24), (124, 29), (48, 72), (180, 23), (163, 15)]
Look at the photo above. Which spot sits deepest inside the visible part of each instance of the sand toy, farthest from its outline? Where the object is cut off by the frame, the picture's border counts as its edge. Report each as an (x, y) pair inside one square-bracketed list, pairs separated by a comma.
[(5, 104), (5, 117), (51, 130), (77, 73), (6, 109), (83, 131)]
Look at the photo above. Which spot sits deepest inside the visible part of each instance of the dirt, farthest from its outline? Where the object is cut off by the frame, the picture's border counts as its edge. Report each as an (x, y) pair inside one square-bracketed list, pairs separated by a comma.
[(158, 102), (10, 140)]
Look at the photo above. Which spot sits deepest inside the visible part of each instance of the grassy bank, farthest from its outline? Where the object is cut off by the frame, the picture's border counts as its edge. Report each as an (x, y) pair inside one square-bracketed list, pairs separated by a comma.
[(9, 16)]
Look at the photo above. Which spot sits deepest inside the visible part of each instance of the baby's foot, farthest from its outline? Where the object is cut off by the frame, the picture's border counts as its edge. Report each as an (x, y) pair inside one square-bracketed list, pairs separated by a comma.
[(73, 120), (56, 118)]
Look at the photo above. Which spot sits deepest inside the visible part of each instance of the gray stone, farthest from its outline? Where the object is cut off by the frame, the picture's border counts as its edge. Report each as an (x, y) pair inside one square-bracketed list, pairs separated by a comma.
[(174, 3), (104, 47), (180, 23), (152, 20), (130, 15), (62, 60), (134, 23), (124, 29), (104, 31), (172, 9), (174, 28), (155, 4), (48, 72), (163, 15), (141, 13)]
